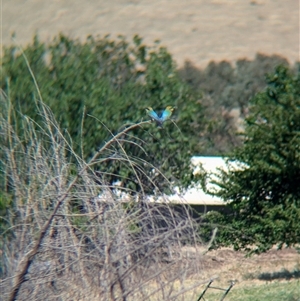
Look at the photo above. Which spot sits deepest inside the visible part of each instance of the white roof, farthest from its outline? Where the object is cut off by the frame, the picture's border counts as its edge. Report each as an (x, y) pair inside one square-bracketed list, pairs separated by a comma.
[(195, 195), (211, 165)]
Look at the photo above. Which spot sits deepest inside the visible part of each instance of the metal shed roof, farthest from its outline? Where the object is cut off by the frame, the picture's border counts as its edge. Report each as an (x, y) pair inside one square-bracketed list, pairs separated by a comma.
[(196, 196)]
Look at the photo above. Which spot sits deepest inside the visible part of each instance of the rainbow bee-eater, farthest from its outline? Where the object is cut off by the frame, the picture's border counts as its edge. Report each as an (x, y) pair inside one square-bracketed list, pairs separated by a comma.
[(160, 119)]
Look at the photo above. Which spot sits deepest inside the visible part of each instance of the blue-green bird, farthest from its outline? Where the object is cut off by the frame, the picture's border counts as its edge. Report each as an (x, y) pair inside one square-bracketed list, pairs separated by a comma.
[(165, 115)]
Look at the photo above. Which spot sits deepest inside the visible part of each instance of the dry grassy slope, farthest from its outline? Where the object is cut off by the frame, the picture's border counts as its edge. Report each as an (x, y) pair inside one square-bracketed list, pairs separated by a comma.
[(198, 30)]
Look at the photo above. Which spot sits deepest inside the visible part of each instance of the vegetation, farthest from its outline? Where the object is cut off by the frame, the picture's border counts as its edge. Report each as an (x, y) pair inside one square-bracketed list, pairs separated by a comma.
[(227, 90), (286, 291), (264, 194), (97, 87), (114, 82), (75, 141), (68, 235)]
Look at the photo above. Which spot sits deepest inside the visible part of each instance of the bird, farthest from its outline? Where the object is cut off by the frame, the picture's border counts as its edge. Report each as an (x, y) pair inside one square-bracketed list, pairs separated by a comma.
[(165, 115)]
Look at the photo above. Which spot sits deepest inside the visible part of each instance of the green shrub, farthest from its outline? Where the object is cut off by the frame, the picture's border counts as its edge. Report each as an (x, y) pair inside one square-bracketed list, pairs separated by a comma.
[(95, 88), (265, 195)]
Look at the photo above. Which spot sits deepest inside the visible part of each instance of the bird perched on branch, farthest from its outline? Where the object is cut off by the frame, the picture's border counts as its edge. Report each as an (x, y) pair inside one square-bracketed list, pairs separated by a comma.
[(165, 115)]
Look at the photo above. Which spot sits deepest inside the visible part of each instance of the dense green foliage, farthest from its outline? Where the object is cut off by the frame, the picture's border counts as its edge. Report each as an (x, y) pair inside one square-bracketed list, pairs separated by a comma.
[(95, 88), (264, 195)]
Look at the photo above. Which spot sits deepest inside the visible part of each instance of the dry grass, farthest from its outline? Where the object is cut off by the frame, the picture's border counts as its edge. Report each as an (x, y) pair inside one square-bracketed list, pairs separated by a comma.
[(269, 274), (232, 265), (68, 234), (71, 235)]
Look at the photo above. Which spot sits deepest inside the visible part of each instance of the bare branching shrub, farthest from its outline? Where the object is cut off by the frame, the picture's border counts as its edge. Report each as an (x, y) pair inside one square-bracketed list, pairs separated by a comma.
[(70, 236)]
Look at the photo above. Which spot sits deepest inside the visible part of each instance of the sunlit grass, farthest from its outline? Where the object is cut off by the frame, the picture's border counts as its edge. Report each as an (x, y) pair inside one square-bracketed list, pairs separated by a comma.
[(271, 291)]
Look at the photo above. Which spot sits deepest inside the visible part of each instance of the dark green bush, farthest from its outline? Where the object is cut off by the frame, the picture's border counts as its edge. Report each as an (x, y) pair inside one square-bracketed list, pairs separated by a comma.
[(265, 196)]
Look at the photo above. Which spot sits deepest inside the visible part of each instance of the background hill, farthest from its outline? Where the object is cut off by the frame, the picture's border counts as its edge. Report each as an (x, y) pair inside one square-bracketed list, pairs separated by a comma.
[(194, 30)]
